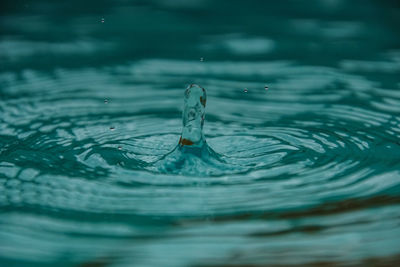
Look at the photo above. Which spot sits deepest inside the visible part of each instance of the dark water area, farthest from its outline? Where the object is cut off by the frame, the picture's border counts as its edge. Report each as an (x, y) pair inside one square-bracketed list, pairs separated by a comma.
[(298, 163)]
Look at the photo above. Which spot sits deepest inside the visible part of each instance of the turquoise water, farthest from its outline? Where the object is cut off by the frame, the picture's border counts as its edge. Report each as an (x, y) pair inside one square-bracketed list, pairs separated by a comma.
[(298, 163)]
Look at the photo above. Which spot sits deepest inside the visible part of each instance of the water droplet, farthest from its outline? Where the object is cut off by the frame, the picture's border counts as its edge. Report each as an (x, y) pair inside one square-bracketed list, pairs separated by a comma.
[(266, 88), (105, 101), (102, 20), (201, 59), (245, 90), (119, 147), (112, 128)]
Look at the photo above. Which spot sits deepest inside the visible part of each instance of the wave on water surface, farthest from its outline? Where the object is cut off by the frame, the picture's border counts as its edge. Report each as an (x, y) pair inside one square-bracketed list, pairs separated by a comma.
[(285, 151)]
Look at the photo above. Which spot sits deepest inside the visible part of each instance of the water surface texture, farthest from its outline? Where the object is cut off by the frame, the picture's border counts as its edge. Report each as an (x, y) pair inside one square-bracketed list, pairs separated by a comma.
[(298, 163)]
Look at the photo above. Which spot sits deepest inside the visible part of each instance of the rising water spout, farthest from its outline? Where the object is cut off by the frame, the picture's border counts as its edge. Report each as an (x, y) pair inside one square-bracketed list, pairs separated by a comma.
[(192, 155), (193, 117)]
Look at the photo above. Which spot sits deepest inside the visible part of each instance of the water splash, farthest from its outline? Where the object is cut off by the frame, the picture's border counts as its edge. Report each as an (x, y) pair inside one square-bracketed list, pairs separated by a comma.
[(195, 99), (192, 155)]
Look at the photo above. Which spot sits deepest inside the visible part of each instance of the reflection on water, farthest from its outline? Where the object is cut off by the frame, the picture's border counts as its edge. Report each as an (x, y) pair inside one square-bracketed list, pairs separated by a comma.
[(301, 162)]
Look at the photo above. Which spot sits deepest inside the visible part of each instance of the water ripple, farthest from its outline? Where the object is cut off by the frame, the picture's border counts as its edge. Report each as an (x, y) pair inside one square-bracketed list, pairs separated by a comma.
[(293, 152)]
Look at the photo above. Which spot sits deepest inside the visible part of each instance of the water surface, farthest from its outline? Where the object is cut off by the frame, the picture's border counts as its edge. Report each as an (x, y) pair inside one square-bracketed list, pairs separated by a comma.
[(302, 118)]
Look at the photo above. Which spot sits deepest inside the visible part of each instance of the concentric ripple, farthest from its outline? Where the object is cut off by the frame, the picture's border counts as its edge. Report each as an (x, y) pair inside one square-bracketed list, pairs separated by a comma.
[(297, 163), (292, 154)]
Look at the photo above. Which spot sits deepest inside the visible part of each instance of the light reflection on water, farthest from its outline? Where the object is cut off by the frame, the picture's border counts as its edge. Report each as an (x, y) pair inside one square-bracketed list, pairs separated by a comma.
[(303, 105)]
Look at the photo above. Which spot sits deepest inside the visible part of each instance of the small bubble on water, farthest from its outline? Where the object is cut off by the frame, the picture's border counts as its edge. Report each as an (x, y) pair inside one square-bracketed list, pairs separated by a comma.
[(105, 101), (245, 90), (112, 128), (201, 59)]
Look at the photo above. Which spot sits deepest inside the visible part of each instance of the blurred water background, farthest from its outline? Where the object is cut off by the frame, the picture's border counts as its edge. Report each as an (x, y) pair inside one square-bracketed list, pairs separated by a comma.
[(303, 97)]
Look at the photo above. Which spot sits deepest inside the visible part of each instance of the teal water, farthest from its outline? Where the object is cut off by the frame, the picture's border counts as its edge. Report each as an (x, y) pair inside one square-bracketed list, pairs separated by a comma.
[(298, 163)]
